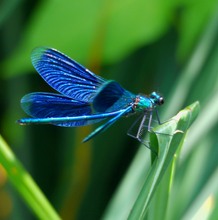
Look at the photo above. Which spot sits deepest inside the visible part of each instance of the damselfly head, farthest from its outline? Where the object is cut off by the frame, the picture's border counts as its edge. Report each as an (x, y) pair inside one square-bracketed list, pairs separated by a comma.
[(156, 98)]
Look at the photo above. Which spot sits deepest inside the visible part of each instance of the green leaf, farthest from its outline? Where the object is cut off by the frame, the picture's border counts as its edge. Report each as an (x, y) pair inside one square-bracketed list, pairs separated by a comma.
[(107, 30), (25, 185), (167, 148), (195, 15)]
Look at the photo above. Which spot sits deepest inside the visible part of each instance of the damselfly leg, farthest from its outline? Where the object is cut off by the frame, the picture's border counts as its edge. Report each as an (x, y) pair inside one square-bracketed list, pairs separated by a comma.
[(143, 124), (140, 127)]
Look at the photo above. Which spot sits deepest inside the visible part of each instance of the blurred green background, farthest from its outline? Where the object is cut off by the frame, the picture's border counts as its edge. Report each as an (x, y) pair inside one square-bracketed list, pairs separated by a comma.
[(165, 46)]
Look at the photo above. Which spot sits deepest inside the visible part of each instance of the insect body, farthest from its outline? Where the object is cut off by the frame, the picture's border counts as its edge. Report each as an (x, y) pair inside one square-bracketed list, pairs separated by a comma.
[(83, 99)]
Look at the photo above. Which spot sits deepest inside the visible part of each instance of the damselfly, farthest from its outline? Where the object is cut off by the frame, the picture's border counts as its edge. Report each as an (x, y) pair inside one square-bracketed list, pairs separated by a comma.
[(84, 98)]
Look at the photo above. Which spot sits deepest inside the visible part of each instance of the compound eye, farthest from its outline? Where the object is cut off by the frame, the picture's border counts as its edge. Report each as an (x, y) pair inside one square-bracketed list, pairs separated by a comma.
[(161, 101)]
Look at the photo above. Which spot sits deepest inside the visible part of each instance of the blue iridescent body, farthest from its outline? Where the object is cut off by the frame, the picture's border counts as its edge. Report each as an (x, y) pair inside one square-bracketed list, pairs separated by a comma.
[(84, 98)]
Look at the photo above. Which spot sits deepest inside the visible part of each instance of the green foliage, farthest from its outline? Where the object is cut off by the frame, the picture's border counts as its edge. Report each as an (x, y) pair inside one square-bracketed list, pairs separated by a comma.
[(109, 28), (24, 184), (169, 46), (168, 138)]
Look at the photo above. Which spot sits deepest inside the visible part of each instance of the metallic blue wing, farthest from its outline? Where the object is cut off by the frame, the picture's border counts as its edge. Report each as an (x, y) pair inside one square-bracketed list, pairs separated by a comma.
[(65, 75), (50, 105), (112, 97)]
